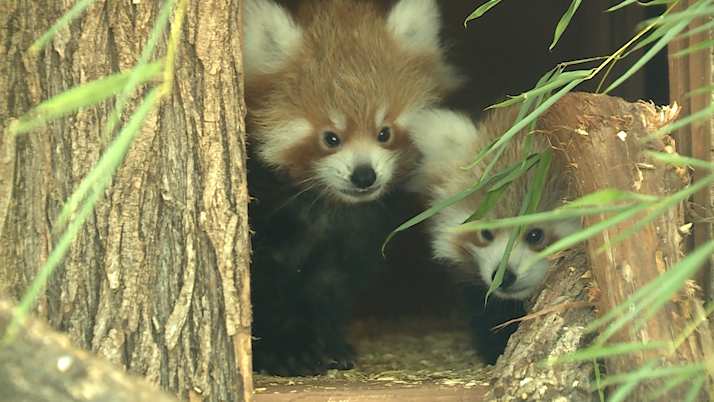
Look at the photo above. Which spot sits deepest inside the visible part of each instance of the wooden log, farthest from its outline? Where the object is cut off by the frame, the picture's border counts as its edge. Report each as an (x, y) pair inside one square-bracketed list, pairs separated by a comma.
[(41, 365), (565, 300), (585, 127)]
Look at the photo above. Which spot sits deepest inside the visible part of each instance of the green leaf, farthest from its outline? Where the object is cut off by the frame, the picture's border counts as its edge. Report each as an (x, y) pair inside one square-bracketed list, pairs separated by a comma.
[(557, 214), (659, 209), (135, 77), (481, 10), (111, 159), (584, 234), (539, 179), (564, 21), (621, 5), (609, 196), (659, 45), (487, 202), (697, 385), (659, 287), (671, 383), (631, 381), (691, 49), (61, 23), (558, 81), (616, 349), (81, 96), (679, 160), (446, 203)]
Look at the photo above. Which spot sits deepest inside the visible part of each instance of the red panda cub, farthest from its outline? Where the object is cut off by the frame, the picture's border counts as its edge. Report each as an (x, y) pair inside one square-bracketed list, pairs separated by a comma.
[(329, 91), (450, 141)]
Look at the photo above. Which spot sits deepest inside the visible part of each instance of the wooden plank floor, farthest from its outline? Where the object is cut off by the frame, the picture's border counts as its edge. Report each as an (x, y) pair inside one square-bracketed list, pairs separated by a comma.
[(348, 392)]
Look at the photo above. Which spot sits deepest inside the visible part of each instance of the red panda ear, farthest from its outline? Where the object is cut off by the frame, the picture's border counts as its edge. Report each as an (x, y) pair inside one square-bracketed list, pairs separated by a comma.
[(415, 24), (270, 37)]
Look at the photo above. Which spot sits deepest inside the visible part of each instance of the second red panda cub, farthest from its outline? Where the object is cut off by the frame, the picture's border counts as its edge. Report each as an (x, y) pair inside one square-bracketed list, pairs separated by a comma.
[(450, 141)]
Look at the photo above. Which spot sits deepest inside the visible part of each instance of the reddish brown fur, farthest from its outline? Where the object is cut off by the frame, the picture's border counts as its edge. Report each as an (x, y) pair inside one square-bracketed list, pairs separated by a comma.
[(350, 65)]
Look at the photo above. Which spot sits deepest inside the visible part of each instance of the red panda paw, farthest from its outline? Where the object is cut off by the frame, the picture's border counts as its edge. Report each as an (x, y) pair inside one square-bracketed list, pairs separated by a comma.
[(300, 359)]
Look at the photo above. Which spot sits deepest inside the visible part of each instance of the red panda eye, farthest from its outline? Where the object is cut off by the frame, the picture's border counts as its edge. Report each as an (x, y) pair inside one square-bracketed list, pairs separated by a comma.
[(331, 139), (487, 235), (384, 134), (535, 236)]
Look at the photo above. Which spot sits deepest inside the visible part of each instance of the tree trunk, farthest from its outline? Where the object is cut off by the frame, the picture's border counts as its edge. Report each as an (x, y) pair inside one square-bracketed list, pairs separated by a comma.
[(40, 365), (157, 280), (602, 160)]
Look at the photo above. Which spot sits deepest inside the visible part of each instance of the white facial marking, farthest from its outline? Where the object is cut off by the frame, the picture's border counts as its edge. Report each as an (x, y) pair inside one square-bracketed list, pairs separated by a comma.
[(335, 171), (379, 116), (415, 25), (527, 280), (338, 119), (270, 37), (276, 141)]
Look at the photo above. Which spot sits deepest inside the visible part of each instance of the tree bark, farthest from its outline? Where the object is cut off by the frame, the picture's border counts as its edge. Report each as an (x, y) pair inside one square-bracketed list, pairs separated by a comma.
[(600, 159), (41, 365), (157, 280)]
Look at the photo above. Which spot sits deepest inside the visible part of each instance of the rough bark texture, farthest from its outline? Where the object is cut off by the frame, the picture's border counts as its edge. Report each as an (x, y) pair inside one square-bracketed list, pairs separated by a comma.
[(40, 365), (688, 73), (553, 334), (157, 280), (585, 126)]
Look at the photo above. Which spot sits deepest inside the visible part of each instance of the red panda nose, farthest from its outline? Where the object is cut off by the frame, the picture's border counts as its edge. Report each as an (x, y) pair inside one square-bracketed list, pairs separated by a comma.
[(509, 278), (363, 177)]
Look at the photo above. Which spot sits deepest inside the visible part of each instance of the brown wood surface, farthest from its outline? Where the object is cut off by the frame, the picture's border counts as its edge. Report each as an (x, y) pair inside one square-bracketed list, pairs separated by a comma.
[(585, 126), (687, 73), (348, 392), (157, 279), (41, 365), (560, 313)]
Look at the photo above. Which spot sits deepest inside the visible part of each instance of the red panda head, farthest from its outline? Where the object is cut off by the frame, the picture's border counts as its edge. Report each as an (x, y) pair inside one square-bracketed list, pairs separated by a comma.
[(329, 92), (450, 141)]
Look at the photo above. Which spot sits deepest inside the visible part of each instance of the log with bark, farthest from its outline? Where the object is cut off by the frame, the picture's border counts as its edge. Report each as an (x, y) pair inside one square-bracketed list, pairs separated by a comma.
[(157, 279), (39, 364), (585, 128)]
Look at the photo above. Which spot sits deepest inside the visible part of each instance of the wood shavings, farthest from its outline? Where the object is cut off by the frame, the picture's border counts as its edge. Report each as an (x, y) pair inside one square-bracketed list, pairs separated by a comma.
[(407, 353)]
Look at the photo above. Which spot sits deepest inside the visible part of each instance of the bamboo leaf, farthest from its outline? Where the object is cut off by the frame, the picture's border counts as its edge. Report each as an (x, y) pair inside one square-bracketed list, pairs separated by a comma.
[(609, 196), (564, 22), (554, 215), (481, 10), (697, 47), (661, 208), (659, 45), (111, 159), (679, 160), (621, 5), (616, 349), (584, 234), (61, 23), (81, 96), (631, 381)]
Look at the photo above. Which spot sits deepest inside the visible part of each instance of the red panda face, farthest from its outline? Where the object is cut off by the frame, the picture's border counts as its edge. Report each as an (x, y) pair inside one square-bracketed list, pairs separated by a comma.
[(448, 142), (329, 91), (348, 159), (483, 251)]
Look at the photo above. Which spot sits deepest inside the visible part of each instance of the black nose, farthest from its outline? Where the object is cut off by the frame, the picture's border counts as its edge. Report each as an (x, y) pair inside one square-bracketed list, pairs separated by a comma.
[(509, 278), (363, 177)]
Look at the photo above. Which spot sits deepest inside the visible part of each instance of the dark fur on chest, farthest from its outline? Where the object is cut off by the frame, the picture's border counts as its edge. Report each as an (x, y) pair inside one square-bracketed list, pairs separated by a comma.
[(309, 259)]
